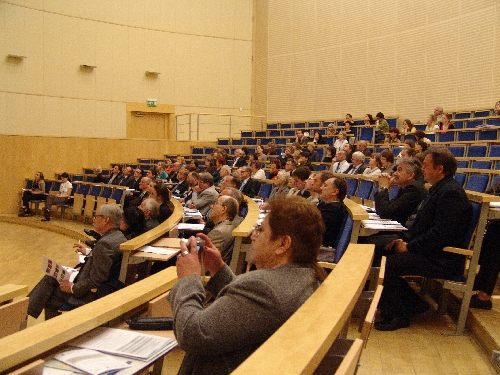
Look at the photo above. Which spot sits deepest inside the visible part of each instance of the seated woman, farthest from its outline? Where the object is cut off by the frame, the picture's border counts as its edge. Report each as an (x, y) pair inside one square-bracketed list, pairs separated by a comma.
[(432, 124), (408, 127), (374, 166), (160, 171), (133, 222), (330, 153), (61, 198), (446, 122), (341, 141), (250, 307), (259, 153), (274, 166), (37, 192), (99, 179), (318, 138), (393, 139), (162, 195), (387, 160)]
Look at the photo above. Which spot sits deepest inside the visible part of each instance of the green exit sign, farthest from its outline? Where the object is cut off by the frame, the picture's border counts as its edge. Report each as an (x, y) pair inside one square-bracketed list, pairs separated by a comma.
[(152, 103)]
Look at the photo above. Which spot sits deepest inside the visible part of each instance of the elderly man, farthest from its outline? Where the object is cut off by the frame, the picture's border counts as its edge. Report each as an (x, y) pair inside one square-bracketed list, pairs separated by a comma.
[(204, 194), (233, 180), (239, 159), (101, 269), (151, 209), (341, 165), (358, 165), (332, 208), (440, 220), (438, 112), (248, 185), (225, 170), (363, 147), (290, 166), (137, 197), (223, 212), (180, 190)]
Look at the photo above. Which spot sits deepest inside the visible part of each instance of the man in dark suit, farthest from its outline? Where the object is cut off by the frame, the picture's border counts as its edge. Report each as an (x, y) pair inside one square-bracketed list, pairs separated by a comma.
[(248, 186), (127, 179), (440, 220), (182, 186), (116, 176), (101, 269), (299, 178), (358, 163), (137, 179), (239, 159), (332, 208)]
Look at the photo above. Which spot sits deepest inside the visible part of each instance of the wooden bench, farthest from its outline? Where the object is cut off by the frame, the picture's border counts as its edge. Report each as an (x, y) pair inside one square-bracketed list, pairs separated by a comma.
[(300, 344), (38, 341), (169, 227), (10, 291)]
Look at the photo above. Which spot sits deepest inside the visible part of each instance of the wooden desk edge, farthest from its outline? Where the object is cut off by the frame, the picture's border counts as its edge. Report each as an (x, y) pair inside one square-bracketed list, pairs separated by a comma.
[(10, 291)]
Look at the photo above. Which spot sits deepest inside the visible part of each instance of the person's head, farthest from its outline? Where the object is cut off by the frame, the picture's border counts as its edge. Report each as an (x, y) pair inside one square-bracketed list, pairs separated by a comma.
[(299, 177), (283, 238), (259, 150), (117, 169), (407, 171), (303, 157), (348, 148), (237, 153), (160, 166), (419, 134), (438, 163), (64, 176), (225, 170), (379, 116), (182, 174), (274, 165), (193, 165), (438, 111), (334, 189), (387, 158), (362, 145), (288, 151), (431, 119), (299, 134), (348, 117), (224, 208), (368, 119), (205, 180), (317, 135), (151, 174), (421, 146), (255, 166), (252, 157), (39, 176), (245, 172), (150, 207), (375, 161), (107, 216), (162, 194), (144, 183), (128, 171), (290, 165), (209, 162), (233, 180), (310, 183), (133, 220), (330, 151), (341, 156), (97, 169), (497, 107), (296, 146), (192, 178), (235, 193), (446, 119), (358, 158), (176, 166), (407, 125), (408, 152), (310, 147), (137, 173), (282, 178), (393, 132), (342, 135), (331, 129), (409, 143), (319, 179), (181, 160)]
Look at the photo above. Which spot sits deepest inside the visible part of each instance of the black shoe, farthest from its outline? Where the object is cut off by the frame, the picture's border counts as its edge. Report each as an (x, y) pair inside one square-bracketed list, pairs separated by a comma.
[(92, 233), (476, 303), (392, 324)]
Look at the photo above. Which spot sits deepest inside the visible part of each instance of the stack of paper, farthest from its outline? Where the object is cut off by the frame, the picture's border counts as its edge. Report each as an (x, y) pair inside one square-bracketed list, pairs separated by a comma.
[(382, 225)]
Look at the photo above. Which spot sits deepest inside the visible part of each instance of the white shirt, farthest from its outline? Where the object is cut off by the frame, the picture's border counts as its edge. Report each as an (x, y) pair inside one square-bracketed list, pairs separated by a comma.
[(340, 168), (259, 175)]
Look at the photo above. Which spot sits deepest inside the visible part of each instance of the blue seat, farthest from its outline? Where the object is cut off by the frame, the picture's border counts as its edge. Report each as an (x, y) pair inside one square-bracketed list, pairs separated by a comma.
[(446, 137), (460, 177), (274, 133), (272, 126), (118, 196), (352, 185), (365, 189), (457, 151), (197, 151), (265, 190), (431, 136), (482, 113), (462, 164), (237, 142), (106, 191), (473, 123), (466, 136), (476, 151), (460, 115), (285, 126), (251, 142), (299, 125), (289, 133), (488, 134), (260, 134), (493, 121), (458, 124), (494, 151), (477, 182), (344, 238), (482, 164), (223, 142), (246, 134), (367, 134), (313, 125)]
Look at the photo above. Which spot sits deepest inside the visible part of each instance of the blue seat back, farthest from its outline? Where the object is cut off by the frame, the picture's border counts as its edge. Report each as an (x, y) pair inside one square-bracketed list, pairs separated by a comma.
[(344, 237), (365, 189), (460, 177), (477, 182), (265, 190), (352, 185)]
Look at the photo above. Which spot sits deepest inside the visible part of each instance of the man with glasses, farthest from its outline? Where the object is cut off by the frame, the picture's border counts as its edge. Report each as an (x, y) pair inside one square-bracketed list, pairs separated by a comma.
[(247, 182), (100, 270), (204, 194), (223, 212)]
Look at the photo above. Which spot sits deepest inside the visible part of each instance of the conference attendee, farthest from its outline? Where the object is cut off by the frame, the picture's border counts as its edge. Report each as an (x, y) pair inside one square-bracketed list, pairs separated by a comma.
[(223, 212), (438, 112), (420, 136), (61, 198), (301, 138), (374, 166), (387, 160), (250, 307), (313, 154), (98, 179), (233, 180), (349, 150), (299, 178), (330, 153), (382, 128), (192, 180), (248, 185), (137, 179), (358, 165), (137, 197), (318, 138), (440, 220), (100, 270), (303, 160), (133, 223), (162, 195), (257, 172), (176, 167), (239, 159), (290, 166), (280, 185), (225, 170), (332, 208), (340, 141), (128, 178), (286, 155), (432, 124), (274, 168), (151, 209), (37, 192), (116, 176), (204, 194), (363, 147), (341, 165), (446, 123), (408, 178), (408, 127), (151, 174), (313, 195), (393, 138), (182, 186)]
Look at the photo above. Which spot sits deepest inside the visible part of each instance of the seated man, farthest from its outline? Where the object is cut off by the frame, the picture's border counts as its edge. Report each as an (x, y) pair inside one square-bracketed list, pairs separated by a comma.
[(358, 165), (151, 209), (61, 198), (223, 212), (180, 190), (248, 185), (299, 178), (341, 165), (440, 220), (101, 269), (332, 209), (204, 194)]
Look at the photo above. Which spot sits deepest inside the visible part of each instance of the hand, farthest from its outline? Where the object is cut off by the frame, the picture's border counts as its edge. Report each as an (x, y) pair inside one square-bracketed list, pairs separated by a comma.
[(384, 180), (65, 286), (187, 261), (212, 259), (191, 205), (79, 248), (398, 246)]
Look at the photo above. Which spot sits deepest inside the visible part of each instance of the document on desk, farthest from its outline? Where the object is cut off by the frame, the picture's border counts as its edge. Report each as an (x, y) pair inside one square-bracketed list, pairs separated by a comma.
[(57, 271), (91, 361), (382, 225), (188, 226), (159, 250), (125, 343)]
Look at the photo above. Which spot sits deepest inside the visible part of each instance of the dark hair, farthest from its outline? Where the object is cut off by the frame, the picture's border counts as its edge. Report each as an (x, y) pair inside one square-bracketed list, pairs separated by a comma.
[(257, 164), (135, 219), (305, 154), (207, 178), (410, 151), (65, 175), (332, 150), (371, 118), (163, 192), (420, 134), (41, 176), (276, 162), (410, 142), (388, 155), (286, 218), (301, 173), (443, 156), (394, 130), (153, 172), (232, 207), (376, 156), (424, 145), (324, 175), (341, 185), (410, 125), (379, 115)]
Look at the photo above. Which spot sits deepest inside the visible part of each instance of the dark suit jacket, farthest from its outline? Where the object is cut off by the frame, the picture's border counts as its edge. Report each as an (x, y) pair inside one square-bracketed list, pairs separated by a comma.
[(442, 220), (166, 209), (135, 185), (360, 169), (127, 181), (333, 215), (241, 162), (249, 188), (181, 189), (403, 205), (115, 180)]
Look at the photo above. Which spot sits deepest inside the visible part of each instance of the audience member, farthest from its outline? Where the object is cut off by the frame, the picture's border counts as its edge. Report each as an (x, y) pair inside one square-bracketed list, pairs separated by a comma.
[(438, 112), (204, 194), (180, 190), (446, 123), (440, 220), (194, 166), (432, 124), (210, 168), (290, 166), (151, 174), (176, 167), (98, 179), (248, 185), (349, 149), (303, 160), (313, 154), (257, 171), (163, 196), (242, 204), (408, 127), (133, 223), (226, 333), (151, 209), (369, 120), (61, 198), (341, 165), (127, 179), (137, 179), (382, 128), (333, 192), (421, 146), (280, 185), (116, 176), (330, 153), (299, 178), (287, 155), (233, 180), (314, 196), (318, 138), (363, 147), (374, 166), (143, 193), (223, 212), (358, 165), (101, 269), (274, 168), (387, 160), (238, 160), (340, 141), (225, 170), (37, 192), (393, 138), (161, 170), (192, 180), (296, 150), (259, 152), (301, 138)]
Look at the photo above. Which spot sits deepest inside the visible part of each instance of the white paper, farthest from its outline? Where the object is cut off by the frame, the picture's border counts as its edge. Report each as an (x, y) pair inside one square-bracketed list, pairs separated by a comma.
[(184, 226), (495, 204), (57, 271), (91, 361), (159, 250)]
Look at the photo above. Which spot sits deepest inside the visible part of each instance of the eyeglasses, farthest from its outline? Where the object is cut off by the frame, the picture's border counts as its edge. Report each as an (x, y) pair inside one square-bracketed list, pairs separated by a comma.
[(257, 230), (96, 216)]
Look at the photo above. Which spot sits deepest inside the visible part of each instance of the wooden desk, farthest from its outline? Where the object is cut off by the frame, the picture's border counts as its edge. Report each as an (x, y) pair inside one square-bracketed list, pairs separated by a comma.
[(10, 291)]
